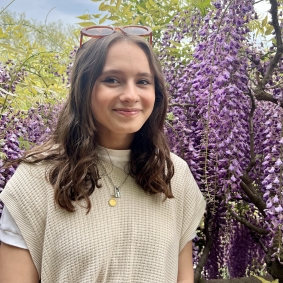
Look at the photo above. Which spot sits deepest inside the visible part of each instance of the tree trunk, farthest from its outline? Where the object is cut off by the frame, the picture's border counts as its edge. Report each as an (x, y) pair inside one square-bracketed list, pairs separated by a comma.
[(277, 270)]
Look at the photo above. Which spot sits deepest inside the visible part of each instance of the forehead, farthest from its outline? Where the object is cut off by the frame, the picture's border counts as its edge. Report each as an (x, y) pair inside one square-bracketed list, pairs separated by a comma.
[(126, 52)]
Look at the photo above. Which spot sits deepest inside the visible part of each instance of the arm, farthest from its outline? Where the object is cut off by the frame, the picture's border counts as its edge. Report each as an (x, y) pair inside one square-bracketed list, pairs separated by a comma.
[(16, 265), (185, 265)]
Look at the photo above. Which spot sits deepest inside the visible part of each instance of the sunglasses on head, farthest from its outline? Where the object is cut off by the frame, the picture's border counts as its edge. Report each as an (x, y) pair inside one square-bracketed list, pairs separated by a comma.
[(101, 31)]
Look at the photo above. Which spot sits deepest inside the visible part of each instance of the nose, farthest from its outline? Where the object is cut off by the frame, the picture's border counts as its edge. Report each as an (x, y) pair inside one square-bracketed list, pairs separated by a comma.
[(130, 93)]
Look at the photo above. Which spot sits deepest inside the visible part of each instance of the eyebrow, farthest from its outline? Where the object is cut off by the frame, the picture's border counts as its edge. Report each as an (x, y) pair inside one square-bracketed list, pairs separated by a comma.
[(119, 72)]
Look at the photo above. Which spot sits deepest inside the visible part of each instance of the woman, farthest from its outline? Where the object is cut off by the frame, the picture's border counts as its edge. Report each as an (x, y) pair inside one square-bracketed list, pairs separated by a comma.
[(104, 200)]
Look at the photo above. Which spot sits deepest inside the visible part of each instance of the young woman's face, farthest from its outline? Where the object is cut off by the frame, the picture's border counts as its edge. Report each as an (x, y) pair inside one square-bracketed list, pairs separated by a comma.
[(123, 96)]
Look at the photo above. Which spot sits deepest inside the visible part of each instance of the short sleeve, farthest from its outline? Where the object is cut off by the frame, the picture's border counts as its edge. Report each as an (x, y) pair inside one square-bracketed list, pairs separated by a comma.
[(9, 231), (193, 208), (25, 197)]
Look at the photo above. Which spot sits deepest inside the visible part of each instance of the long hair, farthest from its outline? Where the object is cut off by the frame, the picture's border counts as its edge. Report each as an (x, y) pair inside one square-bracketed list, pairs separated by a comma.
[(70, 152)]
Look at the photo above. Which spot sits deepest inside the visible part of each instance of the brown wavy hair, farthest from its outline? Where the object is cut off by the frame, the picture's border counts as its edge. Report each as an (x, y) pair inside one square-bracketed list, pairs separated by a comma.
[(70, 152)]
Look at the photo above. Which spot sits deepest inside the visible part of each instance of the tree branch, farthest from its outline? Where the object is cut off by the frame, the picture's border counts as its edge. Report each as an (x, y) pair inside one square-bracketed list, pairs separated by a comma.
[(247, 183), (262, 95), (250, 189), (183, 105), (244, 221), (263, 246), (206, 251), (259, 92), (279, 51)]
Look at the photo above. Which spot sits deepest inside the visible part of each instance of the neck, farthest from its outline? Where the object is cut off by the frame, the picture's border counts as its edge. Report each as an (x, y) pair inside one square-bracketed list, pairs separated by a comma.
[(119, 142)]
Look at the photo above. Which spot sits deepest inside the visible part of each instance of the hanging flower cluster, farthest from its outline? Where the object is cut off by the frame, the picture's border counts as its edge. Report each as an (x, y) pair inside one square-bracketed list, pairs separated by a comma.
[(269, 169), (19, 131), (9, 77), (211, 125)]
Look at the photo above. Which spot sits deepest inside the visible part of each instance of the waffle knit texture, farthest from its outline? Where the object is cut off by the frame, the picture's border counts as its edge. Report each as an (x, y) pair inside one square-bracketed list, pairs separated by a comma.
[(136, 241)]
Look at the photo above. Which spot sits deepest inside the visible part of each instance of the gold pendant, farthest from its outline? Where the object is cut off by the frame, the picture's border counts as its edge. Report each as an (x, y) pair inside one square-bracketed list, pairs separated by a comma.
[(112, 202)]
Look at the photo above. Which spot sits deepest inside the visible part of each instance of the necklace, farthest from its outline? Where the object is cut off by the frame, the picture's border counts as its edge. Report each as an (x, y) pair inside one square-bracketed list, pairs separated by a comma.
[(117, 189)]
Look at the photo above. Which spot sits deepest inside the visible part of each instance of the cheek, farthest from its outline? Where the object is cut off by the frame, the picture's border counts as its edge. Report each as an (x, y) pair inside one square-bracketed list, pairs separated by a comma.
[(97, 102), (96, 108), (150, 100)]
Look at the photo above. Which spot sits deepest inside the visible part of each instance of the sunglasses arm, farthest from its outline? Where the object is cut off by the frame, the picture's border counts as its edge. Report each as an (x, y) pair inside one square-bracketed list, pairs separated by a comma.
[(81, 40)]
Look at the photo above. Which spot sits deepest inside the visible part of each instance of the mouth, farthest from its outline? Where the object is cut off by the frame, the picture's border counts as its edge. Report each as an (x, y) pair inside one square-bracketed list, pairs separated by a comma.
[(127, 111)]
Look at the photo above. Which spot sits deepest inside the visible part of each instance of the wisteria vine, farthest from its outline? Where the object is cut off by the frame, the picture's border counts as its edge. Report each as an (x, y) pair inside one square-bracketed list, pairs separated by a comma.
[(232, 142)]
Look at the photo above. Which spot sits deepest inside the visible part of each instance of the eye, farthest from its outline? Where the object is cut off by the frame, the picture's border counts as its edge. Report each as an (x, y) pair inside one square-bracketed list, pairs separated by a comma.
[(110, 80), (143, 82)]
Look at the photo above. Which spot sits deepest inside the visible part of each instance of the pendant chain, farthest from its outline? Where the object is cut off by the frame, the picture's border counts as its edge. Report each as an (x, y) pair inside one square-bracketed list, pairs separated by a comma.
[(117, 193)]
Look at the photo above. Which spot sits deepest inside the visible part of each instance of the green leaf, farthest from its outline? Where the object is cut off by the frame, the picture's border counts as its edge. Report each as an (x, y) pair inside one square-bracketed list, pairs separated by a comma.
[(62, 70), (141, 9), (8, 47), (175, 43), (137, 19), (269, 30), (273, 40), (87, 24), (3, 155), (3, 35), (112, 2), (175, 50), (95, 0), (264, 22), (265, 281), (2, 100), (202, 5), (147, 5), (24, 144), (126, 9), (101, 21), (96, 16), (118, 4), (103, 7), (113, 18), (85, 17), (170, 116), (152, 3)]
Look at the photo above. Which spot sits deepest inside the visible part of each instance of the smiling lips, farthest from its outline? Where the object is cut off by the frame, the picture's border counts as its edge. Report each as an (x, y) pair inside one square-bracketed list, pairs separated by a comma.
[(127, 112)]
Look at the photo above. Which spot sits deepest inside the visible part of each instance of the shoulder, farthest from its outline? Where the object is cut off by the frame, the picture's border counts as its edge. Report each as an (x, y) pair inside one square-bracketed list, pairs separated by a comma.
[(181, 167), (28, 180), (178, 162), (27, 173), (183, 182), (28, 192)]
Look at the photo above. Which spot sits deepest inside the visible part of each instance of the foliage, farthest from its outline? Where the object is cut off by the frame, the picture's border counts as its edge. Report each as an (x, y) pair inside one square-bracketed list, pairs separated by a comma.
[(155, 14), (32, 70), (52, 35), (119, 12)]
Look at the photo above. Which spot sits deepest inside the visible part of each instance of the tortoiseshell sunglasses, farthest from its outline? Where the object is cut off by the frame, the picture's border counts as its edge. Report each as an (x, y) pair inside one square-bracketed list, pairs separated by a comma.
[(101, 31)]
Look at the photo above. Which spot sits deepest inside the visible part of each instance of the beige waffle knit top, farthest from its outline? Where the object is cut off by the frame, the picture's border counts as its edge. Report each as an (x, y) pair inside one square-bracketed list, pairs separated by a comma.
[(137, 241)]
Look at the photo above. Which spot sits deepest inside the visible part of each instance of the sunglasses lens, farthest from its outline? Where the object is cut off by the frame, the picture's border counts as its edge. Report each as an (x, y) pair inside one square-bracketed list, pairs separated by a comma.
[(136, 30), (99, 31)]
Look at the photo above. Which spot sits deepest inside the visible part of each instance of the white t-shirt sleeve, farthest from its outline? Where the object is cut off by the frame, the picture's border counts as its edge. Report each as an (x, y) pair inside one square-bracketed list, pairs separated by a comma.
[(9, 231)]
